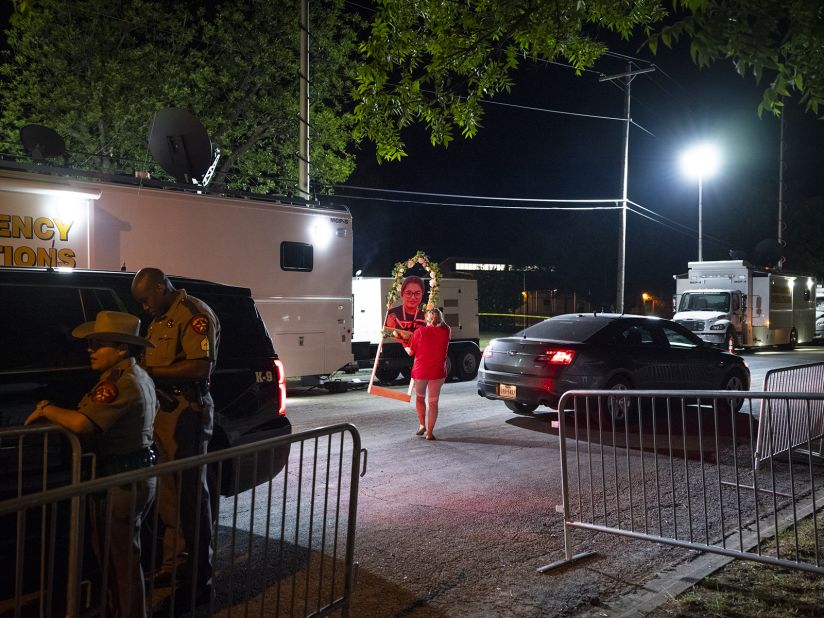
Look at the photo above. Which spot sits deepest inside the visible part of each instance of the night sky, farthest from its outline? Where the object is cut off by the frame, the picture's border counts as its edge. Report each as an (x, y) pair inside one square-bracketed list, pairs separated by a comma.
[(532, 154)]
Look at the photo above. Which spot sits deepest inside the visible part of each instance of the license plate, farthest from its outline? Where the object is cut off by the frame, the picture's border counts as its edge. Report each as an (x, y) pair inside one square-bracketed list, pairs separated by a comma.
[(505, 391)]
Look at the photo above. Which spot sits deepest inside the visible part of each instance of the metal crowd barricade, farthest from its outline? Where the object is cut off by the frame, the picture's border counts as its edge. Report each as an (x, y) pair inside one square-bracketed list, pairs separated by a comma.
[(784, 423), (34, 459), (285, 547), (677, 471)]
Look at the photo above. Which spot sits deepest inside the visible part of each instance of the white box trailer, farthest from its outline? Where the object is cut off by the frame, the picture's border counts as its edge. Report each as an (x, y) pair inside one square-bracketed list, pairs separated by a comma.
[(459, 301), (819, 313), (295, 258), (732, 304)]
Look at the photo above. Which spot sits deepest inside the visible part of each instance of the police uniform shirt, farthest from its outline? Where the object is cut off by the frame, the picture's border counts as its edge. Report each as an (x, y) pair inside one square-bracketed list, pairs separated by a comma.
[(189, 330), (122, 406)]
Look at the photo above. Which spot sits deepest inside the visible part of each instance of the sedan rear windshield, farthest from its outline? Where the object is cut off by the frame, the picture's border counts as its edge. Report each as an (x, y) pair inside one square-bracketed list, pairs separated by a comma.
[(563, 329)]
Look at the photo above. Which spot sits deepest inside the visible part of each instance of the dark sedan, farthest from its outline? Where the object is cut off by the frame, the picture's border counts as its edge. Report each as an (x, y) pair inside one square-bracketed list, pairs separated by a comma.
[(602, 351)]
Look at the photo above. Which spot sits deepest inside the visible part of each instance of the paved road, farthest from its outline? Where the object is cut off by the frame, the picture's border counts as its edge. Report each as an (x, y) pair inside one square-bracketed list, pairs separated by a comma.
[(458, 527)]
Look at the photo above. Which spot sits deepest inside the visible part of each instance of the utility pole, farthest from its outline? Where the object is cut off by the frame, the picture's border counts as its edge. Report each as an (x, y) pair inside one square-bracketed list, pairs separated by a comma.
[(622, 233), (781, 225), (303, 113)]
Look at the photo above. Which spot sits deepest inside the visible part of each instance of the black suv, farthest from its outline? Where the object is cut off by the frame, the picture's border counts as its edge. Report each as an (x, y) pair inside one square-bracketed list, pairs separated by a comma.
[(39, 359)]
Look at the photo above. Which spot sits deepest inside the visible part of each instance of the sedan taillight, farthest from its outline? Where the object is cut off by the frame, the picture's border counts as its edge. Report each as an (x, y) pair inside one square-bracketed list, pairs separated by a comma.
[(488, 351), (281, 373), (556, 357)]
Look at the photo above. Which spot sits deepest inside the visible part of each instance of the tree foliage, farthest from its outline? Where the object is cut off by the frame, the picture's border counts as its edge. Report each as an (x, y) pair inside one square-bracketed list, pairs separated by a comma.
[(781, 41), (97, 71), (434, 61)]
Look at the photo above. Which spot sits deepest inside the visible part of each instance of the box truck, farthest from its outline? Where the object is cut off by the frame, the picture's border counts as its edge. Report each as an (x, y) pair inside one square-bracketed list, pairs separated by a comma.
[(732, 304)]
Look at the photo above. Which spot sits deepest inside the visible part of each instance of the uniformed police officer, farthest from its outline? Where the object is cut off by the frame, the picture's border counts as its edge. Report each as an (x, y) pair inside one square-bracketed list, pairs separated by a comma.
[(116, 418), (186, 334)]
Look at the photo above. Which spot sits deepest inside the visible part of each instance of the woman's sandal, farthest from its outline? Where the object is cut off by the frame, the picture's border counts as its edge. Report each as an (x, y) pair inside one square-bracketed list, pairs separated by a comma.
[(420, 431), (429, 436)]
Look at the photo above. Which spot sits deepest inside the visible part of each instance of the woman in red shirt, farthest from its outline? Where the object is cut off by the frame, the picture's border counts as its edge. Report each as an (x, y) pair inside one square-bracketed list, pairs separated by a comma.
[(429, 345)]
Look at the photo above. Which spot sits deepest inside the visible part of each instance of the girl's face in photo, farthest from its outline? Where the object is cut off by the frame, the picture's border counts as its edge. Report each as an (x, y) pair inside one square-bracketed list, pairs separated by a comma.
[(412, 297)]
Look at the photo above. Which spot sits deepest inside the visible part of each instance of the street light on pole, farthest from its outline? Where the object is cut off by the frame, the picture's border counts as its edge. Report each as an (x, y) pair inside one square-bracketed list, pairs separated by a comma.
[(700, 161)]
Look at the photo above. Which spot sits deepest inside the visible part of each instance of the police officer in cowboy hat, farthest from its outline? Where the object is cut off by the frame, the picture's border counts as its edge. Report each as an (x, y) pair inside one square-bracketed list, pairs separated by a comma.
[(116, 418), (187, 333)]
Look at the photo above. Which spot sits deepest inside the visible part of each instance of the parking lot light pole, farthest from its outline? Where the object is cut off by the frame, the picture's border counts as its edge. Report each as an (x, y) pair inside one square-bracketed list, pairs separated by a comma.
[(700, 161)]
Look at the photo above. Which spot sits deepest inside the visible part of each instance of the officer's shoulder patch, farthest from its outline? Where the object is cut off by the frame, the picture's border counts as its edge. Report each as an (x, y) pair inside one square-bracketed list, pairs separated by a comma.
[(204, 345), (200, 323), (105, 392)]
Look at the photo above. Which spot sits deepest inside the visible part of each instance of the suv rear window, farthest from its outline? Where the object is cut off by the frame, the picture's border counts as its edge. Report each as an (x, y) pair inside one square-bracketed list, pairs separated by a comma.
[(40, 322), (563, 329)]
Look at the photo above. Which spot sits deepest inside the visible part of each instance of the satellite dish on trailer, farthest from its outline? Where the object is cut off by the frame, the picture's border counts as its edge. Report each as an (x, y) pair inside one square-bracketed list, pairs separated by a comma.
[(180, 144), (42, 142), (768, 253)]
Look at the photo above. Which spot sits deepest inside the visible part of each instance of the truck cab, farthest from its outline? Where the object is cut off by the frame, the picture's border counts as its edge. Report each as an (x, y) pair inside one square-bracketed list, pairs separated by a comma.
[(715, 315), (732, 303)]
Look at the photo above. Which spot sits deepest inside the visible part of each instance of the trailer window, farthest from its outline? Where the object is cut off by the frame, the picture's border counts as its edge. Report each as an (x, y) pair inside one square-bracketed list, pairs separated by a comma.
[(296, 256)]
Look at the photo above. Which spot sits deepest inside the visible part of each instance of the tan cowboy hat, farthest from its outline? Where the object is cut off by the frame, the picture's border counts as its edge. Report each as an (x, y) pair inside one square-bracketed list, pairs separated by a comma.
[(113, 326)]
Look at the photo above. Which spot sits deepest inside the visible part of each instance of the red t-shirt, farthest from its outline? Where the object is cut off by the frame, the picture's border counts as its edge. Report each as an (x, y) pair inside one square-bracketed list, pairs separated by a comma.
[(429, 345)]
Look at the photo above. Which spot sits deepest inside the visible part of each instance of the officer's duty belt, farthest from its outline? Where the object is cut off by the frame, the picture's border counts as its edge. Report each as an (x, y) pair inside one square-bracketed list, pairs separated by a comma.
[(191, 390), (115, 464)]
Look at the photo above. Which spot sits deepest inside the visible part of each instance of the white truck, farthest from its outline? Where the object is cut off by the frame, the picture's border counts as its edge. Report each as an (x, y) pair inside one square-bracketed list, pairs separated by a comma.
[(731, 304), (459, 299), (296, 258)]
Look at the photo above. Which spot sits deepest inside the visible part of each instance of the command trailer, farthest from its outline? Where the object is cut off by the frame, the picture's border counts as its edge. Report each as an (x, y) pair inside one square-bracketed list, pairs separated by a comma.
[(296, 258)]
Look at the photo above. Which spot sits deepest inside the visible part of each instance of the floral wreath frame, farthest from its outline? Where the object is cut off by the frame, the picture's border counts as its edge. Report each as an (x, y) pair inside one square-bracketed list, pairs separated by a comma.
[(399, 272)]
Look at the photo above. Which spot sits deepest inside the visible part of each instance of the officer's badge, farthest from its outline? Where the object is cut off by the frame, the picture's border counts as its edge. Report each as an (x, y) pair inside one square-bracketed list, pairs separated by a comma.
[(105, 392), (200, 324), (204, 345), (170, 323)]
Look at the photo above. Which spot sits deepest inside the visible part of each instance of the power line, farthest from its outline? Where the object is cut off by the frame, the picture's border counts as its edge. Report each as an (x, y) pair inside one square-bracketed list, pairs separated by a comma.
[(614, 54), (550, 111), (635, 207), (688, 232), (478, 197), (478, 206)]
